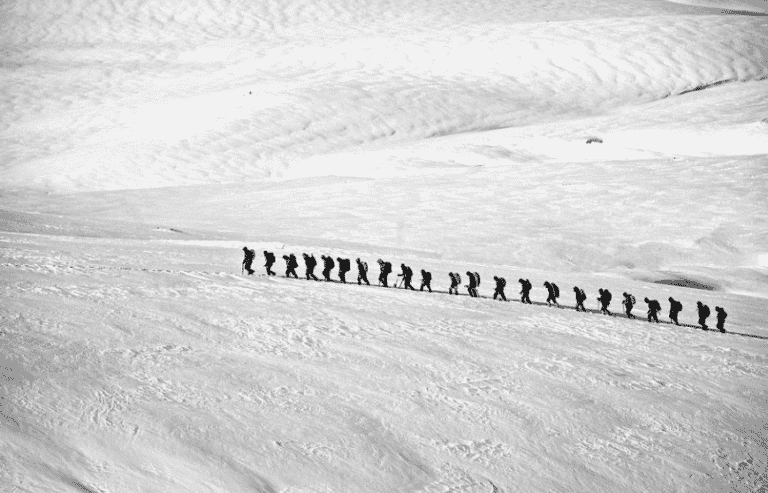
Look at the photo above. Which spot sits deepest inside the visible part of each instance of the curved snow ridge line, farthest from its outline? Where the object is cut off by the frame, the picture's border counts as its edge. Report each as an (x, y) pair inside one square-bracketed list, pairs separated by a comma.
[(78, 21)]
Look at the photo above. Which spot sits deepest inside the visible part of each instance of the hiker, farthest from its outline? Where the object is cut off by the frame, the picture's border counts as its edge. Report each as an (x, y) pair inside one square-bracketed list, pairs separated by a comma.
[(290, 265), (455, 281), (343, 268), (581, 297), (628, 302), (362, 272), (328, 265), (385, 269), (675, 307), (310, 261), (474, 282), (500, 283), (553, 292), (406, 274), (426, 280), (248, 260), (653, 309), (270, 258), (703, 314), (526, 290), (721, 318), (605, 300)]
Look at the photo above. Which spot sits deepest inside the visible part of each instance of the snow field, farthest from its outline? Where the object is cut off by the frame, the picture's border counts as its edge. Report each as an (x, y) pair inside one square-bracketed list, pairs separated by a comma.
[(123, 380), (218, 98), (143, 143)]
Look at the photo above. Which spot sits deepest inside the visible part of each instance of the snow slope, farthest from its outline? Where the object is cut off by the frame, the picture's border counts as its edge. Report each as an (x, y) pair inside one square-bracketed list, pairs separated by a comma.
[(143, 143)]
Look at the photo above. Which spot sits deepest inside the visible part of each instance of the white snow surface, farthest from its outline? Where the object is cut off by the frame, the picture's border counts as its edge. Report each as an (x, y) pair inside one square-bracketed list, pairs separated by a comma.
[(143, 143)]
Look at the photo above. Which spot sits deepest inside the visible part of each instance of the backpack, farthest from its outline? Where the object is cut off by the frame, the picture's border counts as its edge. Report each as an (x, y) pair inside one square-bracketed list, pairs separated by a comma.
[(678, 306), (270, 257), (502, 282), (607, 296), (654, 306), (456, 278), (386, 267), (582, 295), (292, 261), (365, 266), (632, 299), (556, 290), (249, 254), (344, 264), (477, 279)]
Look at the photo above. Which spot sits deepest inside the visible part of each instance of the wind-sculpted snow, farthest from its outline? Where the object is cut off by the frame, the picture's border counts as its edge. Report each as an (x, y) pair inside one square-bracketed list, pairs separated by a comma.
[(591, 143), (141, 94), (128, 377)]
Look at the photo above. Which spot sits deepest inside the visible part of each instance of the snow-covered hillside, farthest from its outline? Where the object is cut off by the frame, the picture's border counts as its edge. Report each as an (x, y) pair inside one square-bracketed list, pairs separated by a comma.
[(143, 143)]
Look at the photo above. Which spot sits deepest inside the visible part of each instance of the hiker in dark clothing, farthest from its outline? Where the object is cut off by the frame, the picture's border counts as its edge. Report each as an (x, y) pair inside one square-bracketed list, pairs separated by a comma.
[(426, 280), (675, 307), (455, 281), (500, 284), (290, 265), (653, 309), (362, 272), (553, 292), (248, 260), (270, 258), (310, 261), (605, 300), (385, 269), (703, 314), (628, 302), (473, 283), (343, 268), (328, 265), (526, 290), (581, 297), (721, 318), (407, 274)]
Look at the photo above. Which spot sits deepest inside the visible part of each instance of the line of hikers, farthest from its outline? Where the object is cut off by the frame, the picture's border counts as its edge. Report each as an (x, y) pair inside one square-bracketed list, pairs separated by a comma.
[(473, 282)]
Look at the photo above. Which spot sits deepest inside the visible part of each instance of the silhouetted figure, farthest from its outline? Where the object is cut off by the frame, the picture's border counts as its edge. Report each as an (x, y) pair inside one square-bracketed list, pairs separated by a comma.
[(455, 281), (653, 310), (385, 269), (290, 265), (328, 265), (553, 292), (362, 272), (500, 284), (721, 318), (628, 302), (675, 307), (270, 258), (344, 267), (525, 291), (703, 314), (474, 279), (407, 274), (581, 297), (426, 280), (248, 260), (605, 300), (311, 262)]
